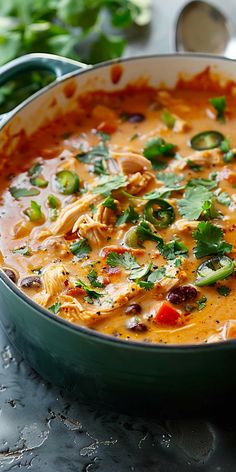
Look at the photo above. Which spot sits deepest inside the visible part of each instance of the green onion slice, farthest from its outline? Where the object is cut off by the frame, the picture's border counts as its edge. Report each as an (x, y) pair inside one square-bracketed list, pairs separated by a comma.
[(206, 140), (67, 182), (159, 212), (214, 269)]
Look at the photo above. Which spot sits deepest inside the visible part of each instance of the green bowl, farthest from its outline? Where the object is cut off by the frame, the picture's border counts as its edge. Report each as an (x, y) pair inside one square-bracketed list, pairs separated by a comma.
[(97, 368)]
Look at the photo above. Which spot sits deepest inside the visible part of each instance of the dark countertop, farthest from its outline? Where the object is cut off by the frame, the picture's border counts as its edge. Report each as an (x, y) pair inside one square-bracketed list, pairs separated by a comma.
[(42, 430)]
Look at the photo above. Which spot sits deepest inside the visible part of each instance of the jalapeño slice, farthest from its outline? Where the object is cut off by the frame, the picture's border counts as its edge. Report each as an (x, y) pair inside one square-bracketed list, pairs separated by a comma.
[(159, 212), (206, 140), (67, 182), (214, 269)]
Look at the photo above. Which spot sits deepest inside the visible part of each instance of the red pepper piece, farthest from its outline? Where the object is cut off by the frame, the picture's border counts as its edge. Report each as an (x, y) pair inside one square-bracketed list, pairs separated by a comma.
[(167, 315)]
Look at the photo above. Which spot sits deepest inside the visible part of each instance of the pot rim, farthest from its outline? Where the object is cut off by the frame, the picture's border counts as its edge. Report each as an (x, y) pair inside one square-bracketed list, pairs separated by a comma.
[(138, 345)]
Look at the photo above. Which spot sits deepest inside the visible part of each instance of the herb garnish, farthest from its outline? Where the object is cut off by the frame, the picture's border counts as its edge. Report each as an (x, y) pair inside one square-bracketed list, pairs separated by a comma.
[(55, 308), (223, 290), (126, 260), (108, 183), (80, 248), (92, 294), (169, 179), (93, 279), (191, 205), (110, 203), (18, 192), (128, 216), (202, 303), (24, 251), (209, 239), (168, 119), (156, 148), (219, 103)]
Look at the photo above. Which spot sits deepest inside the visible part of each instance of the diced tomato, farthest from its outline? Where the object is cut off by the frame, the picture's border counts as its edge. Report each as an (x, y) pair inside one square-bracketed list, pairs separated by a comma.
[(107, 119), (119, 250), (75, 292), (167, 315), (106, 127)]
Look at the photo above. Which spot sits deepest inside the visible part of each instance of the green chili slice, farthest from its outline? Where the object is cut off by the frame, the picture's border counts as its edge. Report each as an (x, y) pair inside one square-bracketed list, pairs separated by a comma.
[(159, 212), (214, 269), (131, 238), (67, 182), (206, 140), (34, 212), (39, 181)]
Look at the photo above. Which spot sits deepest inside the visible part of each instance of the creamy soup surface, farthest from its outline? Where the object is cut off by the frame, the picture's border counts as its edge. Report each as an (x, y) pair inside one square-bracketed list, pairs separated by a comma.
[(122, 216)]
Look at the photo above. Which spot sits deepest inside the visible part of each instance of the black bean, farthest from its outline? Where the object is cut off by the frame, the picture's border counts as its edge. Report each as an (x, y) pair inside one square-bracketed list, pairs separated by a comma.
[(133, 309), (11, 274), (135, 118), (182, 294), (33, 281), (135, 324)]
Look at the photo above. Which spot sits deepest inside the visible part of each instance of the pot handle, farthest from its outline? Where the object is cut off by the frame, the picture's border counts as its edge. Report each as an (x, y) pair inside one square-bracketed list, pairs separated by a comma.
[(38, 61)]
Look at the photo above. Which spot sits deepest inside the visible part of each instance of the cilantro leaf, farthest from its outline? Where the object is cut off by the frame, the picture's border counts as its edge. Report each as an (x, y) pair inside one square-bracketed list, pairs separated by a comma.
[(125, 260), (193, 166), (172, 249), (202, 303), (223, 198), (55, 308), (191, 205), (100, 151), (156, 148), (157, 274), (209, 239), (219, 103), (91, 293), (93, 279), (18, 192), (170, 179), (128, 216), (167, 118), (210, 184), (110, 203), (223, 290), (24, 251), (80, 248), (108, 183), (145, 233)]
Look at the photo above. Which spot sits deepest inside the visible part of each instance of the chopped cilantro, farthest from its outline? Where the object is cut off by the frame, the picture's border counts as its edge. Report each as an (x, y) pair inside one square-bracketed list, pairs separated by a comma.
[(210, 184), (191, 205), (169, 179), (145, 233), (145, 284), (18, 192), (110, 203), (100, 151), (219, 103), (128, 216), (201, 303), (223, 290), (36, 169), (157, 274), (135, 136), (156, 147), (193, 166), (172, 249), (167, 118), (108, 183), (80, 248), (226, 149), (99, 167), (125, 260), (209, 239), (91, 293), (55, 308), (24, 251), (93, 279), (223, 198)]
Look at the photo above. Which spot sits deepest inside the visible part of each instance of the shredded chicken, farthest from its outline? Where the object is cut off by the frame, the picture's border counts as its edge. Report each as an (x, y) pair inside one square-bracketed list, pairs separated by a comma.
[(228, 331), (57, 244), (206, 158), (54, 277), (180, 125), (91, 229), (70, 214), (132, 162), (139, 181), (183, 225), (106, 215)]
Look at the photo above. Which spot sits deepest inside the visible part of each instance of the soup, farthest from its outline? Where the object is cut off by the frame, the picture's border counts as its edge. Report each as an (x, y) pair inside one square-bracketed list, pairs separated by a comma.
[(121, 216)]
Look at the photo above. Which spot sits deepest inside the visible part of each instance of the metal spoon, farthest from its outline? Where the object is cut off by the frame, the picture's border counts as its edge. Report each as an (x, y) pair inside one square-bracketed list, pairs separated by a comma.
[(201, 27)]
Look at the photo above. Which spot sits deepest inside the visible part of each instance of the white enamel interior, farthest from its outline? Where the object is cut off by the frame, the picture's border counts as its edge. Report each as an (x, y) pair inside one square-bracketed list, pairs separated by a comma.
[(52, 101)]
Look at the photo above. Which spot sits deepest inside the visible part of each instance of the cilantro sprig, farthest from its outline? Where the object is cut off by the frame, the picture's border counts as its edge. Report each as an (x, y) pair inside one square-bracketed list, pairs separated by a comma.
[(192, 204), (210, 240), (80, 248), (219, 103), (108, 183)]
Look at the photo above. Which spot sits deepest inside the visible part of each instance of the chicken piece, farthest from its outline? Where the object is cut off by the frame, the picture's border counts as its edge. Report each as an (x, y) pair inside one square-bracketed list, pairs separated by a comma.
[(206, 158), (54, 278), (227, 331), (138, 182), (22, 228), (55, 244), (132, 162), (92, 230), (42, 298), (70, 214), (180, 125), (227, 174), (185, 225), (106, 215)]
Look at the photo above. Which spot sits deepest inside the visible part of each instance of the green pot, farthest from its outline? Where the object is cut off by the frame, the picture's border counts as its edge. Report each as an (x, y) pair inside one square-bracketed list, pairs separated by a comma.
[(98, 368)]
